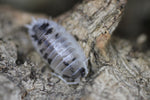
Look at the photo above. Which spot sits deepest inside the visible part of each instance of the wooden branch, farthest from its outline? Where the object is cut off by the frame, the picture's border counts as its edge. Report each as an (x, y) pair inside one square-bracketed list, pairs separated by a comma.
[(116, 71)]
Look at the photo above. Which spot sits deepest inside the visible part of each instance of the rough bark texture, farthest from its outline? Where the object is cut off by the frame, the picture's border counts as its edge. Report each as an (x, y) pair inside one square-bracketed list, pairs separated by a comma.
[(117, 71)]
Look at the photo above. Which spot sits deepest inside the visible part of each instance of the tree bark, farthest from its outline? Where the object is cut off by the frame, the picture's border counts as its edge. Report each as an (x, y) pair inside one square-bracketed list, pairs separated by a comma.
[(117, 71)]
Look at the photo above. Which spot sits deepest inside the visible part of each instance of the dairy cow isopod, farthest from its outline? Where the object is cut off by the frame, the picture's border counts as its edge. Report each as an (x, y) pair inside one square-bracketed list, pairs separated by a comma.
[(59, 49)]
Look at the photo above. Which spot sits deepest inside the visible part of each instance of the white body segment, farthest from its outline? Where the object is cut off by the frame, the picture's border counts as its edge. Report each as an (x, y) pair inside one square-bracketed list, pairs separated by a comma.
[(59, 49)]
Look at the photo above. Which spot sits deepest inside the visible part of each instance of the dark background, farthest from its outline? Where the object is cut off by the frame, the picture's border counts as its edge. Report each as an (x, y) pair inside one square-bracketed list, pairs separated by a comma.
[(50, 7)]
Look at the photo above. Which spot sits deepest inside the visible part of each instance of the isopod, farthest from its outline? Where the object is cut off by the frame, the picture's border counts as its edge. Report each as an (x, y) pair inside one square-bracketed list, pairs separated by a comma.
[(59, 49)]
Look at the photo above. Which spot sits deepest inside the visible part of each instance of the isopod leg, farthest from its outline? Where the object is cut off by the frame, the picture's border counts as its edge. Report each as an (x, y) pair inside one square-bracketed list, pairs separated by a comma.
[(69, 83)]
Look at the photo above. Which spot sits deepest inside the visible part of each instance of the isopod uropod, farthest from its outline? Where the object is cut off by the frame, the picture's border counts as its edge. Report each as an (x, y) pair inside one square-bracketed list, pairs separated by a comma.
[(59, 49)]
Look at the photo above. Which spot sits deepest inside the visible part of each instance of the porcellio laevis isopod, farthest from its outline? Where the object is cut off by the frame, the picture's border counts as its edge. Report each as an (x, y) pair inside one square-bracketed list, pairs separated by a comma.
[(59, 49)]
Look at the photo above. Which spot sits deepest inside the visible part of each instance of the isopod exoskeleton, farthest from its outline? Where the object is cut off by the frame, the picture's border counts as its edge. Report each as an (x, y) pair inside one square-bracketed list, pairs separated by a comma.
[(59, 49)]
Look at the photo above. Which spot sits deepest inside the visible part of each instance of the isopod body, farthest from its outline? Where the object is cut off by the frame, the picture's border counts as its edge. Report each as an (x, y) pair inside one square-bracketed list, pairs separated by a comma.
[(59, 49)]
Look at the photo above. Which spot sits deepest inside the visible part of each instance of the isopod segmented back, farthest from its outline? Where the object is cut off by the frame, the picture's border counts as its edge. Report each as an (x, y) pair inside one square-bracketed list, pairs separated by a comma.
[(59, 49)]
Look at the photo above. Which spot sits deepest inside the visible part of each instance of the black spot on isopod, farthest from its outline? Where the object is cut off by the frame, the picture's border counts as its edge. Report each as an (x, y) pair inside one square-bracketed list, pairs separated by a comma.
[(65, 63), (42, 50), (41, 41), (57, 35), (82, 71), (49, 31), (35, 37), (44, 26), (49, 60), (73, 59), (45, 56)]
